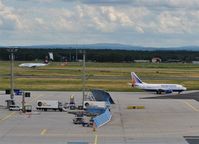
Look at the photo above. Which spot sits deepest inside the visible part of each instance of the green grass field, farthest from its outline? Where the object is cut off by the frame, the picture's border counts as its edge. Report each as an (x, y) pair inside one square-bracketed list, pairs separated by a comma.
[(108, 76)]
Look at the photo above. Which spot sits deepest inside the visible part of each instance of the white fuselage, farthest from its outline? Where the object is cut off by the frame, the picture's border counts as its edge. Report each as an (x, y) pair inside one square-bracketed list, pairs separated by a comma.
[(161, 87), (32, 65)]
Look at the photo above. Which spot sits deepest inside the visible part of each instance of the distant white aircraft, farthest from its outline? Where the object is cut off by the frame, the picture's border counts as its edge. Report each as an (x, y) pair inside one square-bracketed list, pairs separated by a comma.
[(33, 65), (158, 88)]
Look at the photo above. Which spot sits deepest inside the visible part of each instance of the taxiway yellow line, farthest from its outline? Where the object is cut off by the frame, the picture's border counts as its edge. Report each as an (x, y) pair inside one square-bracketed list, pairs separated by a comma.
[(43, 132), (13, 113), (7, 116), (191, 106), (96, 139)]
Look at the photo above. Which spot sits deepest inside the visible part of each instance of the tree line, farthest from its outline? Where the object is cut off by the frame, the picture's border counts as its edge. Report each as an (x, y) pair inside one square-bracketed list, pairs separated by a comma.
[(100, 55)]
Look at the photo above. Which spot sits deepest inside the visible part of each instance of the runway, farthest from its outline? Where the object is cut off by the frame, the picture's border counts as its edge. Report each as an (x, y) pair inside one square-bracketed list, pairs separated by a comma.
[(163, 121)]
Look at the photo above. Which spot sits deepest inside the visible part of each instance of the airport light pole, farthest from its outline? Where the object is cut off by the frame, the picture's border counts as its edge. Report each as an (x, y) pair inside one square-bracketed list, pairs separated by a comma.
[(76, 55), (84, 76), (23, 102), (12, 51)]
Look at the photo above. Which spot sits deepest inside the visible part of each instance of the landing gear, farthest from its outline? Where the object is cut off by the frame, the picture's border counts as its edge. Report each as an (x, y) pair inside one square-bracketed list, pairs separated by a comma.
[(179, 92), (158, 91)]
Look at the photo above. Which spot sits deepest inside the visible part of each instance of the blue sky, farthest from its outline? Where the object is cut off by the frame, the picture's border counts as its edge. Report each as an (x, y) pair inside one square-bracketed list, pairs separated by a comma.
[(156, 23)]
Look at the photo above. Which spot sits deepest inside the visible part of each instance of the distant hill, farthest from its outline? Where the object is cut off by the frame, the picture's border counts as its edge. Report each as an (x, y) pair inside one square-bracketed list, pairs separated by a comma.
[(109, 46)]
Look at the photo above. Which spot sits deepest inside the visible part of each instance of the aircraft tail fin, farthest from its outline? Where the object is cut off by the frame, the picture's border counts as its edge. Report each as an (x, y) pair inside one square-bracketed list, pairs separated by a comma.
[(47, 58), (51, 56), (135, 79)]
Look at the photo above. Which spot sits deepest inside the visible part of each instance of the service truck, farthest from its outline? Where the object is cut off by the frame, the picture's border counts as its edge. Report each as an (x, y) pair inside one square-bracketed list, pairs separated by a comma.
[(49, 105), (99, 104)]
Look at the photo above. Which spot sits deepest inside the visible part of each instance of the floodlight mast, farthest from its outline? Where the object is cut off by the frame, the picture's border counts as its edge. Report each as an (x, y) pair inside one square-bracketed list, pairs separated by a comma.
[(12, 51), (76, 55), (84, 77)]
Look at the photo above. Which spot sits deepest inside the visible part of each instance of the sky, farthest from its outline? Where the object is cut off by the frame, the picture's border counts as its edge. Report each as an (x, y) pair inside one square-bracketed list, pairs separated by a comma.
[(149, 23)]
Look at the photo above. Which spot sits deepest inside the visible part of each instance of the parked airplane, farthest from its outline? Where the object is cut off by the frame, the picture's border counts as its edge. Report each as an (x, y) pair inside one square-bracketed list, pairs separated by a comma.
[(33, 65), (158, 88)]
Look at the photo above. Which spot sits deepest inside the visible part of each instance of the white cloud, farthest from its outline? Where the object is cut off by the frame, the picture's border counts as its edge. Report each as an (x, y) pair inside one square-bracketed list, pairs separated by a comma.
[(109, 18), (40, 21), (178, 22), (184, 3), (139, 29), (169, 23), (147, 3), (64, 24), (8, 19), (56, 19), (99, 24), (116, 16)]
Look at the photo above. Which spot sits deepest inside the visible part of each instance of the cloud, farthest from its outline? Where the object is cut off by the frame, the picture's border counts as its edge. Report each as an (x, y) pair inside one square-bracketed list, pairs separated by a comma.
[(184, 3), (106, 2), (83, 18), (8, 19), (125, 21), (138, 16), (110, 19), (147, 3), (169, 23)]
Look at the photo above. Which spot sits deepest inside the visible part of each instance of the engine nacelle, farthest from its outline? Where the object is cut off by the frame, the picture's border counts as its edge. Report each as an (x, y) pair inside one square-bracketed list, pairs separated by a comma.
[(168, 91)]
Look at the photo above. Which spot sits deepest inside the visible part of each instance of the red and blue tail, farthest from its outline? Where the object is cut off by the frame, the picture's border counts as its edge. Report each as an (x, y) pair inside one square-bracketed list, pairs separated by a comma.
[(135, 79)]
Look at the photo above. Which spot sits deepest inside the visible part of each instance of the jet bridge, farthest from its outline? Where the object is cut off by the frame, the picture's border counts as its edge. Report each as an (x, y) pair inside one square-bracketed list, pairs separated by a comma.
[(102, 119), (101, 95)]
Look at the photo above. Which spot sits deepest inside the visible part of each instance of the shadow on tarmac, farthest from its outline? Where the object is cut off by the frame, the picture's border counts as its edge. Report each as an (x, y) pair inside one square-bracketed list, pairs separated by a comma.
[(194, 96)]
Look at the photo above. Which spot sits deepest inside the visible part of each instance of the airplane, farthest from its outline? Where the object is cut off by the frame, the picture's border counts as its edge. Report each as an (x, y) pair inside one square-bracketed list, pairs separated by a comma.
[(33, 65), (158, 88)]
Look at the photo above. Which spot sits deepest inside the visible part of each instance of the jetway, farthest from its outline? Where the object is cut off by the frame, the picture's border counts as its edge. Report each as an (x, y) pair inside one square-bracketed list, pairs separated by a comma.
[(101, 95), (103, 118)]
